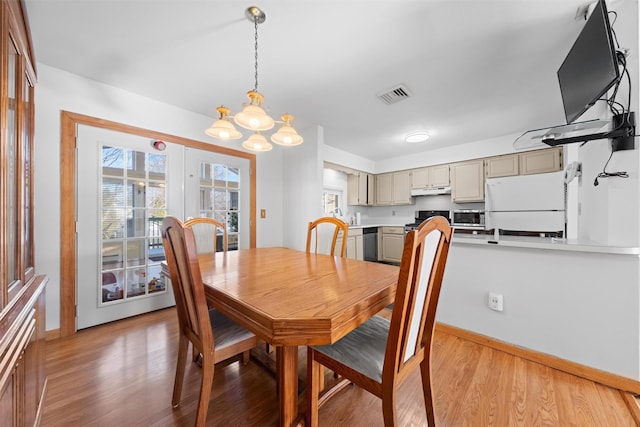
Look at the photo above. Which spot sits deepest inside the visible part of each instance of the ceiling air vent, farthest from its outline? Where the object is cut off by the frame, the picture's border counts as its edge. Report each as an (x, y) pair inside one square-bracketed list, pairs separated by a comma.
[(395, 94)]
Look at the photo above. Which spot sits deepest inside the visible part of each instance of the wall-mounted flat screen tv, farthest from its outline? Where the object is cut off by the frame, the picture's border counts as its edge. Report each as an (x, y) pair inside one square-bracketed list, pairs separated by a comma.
[(591, 67)]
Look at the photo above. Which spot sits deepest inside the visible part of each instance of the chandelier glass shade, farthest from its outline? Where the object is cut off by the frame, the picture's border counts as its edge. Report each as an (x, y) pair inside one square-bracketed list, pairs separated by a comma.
[(257, 142), (253, 117), (223, 128), (287, 135)]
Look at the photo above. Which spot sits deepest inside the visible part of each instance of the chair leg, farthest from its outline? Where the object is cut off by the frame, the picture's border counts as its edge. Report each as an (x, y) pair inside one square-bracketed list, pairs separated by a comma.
[(428, 392), (314, 372), (389, 407), (245, 357), (183, 349), (205, 389)]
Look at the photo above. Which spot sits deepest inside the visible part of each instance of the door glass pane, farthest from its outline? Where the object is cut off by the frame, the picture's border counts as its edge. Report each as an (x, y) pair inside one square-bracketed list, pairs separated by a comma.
[(112, 161), (135, 223), (112, 255), (113, 223), (157, 166), (220, 197), (133, 200), (156, 198), (136, 164), (112, 193), (135, 252), (12, 237), (27, 184)]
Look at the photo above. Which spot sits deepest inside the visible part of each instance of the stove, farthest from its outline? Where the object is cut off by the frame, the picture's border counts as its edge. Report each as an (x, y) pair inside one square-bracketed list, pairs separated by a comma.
[(424, 215)]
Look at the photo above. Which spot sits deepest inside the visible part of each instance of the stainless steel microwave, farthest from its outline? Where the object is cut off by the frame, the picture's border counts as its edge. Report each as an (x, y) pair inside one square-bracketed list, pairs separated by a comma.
[(468, 218)]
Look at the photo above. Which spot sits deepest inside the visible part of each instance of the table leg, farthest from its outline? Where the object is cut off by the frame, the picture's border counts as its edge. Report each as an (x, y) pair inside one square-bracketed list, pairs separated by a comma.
[(287, 372)]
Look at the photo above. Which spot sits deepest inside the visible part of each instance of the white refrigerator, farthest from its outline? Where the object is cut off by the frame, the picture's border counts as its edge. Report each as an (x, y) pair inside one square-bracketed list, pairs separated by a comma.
[(533, 203)]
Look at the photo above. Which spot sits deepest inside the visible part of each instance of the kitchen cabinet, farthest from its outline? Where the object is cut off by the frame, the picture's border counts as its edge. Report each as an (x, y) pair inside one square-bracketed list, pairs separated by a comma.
[(355, 244), (360, 189), (541, 161), (402, 188), (506, 165), (391, 244), (420, 178), (467, 181), (393, 188), (430, 177), (355, 247), (384, 189), (526, 163)]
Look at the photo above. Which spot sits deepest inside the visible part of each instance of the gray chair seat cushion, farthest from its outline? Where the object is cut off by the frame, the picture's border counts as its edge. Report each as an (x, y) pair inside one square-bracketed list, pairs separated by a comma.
[(225, 331), (362, 349)]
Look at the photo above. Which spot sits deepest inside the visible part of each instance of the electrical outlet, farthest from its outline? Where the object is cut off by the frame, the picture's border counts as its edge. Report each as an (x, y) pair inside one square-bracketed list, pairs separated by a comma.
[(495, 301), (263, 213)]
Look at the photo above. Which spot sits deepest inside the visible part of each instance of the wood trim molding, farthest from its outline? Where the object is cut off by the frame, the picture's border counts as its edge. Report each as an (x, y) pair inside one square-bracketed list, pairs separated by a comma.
[(68, 132), (52, 334), (633, 405), (619, 382)]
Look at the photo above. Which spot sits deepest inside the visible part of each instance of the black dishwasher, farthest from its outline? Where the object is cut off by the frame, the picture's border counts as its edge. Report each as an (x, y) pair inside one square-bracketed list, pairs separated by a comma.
[(370, 243)]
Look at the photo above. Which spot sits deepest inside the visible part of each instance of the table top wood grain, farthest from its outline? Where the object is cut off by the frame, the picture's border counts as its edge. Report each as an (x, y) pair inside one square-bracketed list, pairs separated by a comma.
[(292, 298)]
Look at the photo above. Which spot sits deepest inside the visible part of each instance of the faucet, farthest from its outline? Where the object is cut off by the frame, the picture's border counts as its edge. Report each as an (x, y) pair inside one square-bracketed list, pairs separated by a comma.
[(337, 212)]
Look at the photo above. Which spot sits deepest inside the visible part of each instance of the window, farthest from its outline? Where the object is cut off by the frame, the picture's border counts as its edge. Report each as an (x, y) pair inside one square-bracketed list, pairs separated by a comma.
[(332, 201)]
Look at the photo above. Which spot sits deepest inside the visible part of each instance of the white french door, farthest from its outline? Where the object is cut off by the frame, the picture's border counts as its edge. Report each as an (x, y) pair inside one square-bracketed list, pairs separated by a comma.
[(124, 189), (217, 186)]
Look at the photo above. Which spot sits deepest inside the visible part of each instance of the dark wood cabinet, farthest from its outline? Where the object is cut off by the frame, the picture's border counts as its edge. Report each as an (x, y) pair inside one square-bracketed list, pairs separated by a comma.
[(22, 296)]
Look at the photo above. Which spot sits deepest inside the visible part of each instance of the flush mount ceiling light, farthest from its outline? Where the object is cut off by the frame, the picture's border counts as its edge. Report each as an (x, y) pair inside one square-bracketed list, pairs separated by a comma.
[(253, 117), (417, 136)]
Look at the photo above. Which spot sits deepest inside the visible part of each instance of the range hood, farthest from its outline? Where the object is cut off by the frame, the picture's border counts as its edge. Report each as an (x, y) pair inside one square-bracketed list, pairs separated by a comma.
[(430, 191)]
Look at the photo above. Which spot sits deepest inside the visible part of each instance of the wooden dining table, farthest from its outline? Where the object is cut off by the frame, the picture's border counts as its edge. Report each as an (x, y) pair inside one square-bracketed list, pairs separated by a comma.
[(291, 298)]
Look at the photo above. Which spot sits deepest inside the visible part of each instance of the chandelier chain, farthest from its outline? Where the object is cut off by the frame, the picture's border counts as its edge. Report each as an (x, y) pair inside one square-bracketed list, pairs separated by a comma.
[(255, 24)]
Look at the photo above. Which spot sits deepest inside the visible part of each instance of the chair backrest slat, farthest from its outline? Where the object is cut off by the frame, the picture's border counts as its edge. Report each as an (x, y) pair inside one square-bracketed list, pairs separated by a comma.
[(317, 229), (186, 280), (419, 282), (206, 232)]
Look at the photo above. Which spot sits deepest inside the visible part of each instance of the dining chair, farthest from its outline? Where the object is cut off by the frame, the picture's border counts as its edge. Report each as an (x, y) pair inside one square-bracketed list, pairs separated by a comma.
[(380, 354), (212, 334), (316, 229), (206, 232)]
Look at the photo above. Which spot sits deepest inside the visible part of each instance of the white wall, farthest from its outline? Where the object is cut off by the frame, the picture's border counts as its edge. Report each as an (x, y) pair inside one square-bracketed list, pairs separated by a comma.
[(582, 307), (302, 189), (58, 90)]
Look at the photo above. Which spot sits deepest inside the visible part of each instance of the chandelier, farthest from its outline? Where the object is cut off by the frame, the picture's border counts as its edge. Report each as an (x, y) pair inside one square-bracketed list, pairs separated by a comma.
[(253, 117)]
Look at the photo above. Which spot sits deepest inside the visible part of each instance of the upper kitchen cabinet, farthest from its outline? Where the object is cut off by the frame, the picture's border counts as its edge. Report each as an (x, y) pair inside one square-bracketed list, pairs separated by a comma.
[(467, 181), (507, 165), (22, 292), (430, 177), (402, 188), (384, 189), (541, 161), (361, 189), (393, 188)]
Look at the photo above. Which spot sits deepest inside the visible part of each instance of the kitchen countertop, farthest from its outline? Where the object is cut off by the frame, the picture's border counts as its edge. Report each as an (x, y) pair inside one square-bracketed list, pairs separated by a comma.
[(374, 225), (543, 243)]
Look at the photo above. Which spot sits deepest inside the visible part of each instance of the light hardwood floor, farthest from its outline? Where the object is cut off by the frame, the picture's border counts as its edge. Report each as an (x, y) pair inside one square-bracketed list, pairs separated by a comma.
[(121, 374)]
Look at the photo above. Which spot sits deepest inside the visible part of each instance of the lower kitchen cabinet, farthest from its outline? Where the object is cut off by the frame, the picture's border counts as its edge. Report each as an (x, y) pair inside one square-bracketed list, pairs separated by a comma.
[(355, 247), (391, 244)]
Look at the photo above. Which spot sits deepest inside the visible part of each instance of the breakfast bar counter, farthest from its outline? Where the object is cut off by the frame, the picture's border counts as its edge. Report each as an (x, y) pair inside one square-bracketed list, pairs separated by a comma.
[(544, 243)]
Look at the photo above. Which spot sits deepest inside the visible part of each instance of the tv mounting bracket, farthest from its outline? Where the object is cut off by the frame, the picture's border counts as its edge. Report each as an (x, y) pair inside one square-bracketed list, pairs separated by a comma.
[(621, 131)]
